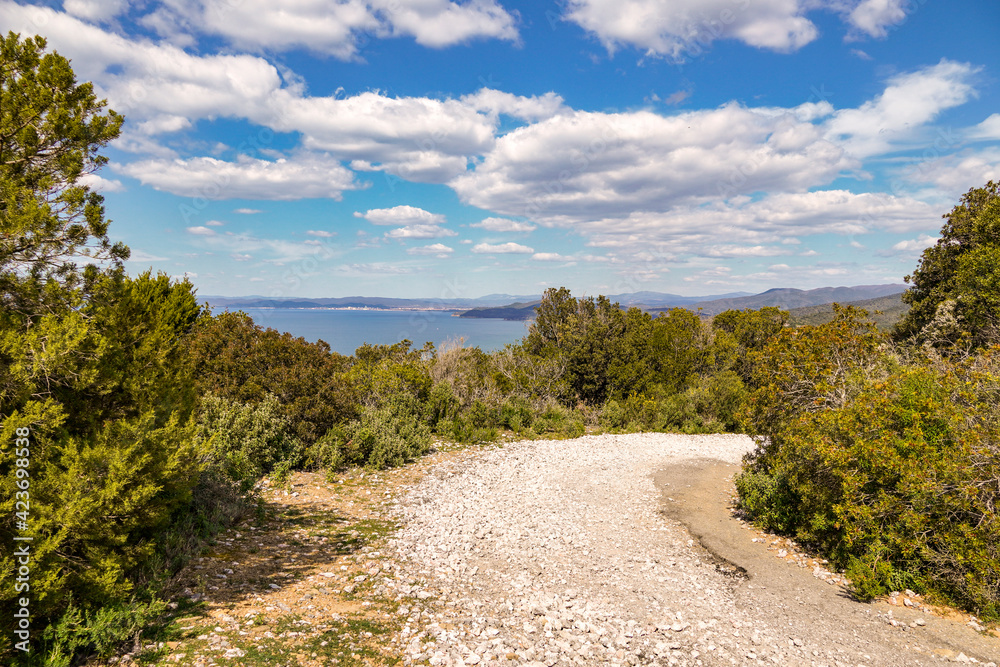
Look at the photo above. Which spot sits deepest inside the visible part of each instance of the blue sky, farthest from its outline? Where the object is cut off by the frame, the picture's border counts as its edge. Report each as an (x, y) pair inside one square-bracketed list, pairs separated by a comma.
[(427, 148)]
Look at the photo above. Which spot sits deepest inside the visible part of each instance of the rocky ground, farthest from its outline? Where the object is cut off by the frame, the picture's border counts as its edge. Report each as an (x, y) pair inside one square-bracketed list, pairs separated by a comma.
[(612, 549)]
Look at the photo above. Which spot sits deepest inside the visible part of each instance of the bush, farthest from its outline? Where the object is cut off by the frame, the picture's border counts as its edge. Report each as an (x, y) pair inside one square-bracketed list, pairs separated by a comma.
[(555, 419), (381, 437), (246, 441), (241, 362), (898, 485)]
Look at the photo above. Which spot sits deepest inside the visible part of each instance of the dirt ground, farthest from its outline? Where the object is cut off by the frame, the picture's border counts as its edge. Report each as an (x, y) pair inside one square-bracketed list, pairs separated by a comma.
[(300, 586), (786, 586), (307, 583)]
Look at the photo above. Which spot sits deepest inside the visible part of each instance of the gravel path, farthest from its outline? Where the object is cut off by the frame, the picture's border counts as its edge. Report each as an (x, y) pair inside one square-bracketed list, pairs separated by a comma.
[(557, 553)]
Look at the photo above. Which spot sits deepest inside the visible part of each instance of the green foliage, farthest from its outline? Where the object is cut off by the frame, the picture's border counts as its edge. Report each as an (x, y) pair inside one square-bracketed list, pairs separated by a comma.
[(51, 130), (897, 484), (956, 287), (584, 334), (100, 631), (560, 421), (237, 360), (381, 437), (246, 441), (742, 336), (810, 369)]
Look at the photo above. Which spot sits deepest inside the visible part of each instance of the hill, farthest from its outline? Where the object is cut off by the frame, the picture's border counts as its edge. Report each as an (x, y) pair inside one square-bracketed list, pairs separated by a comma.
[(892, 310), (788, 298), (784, 298)]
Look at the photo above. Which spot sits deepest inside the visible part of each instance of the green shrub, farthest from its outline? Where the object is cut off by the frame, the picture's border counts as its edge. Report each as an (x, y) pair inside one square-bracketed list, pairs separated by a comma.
[(246, 441), (381, 437), (558, 420), (612, 416), (100, 631), (898, 485)]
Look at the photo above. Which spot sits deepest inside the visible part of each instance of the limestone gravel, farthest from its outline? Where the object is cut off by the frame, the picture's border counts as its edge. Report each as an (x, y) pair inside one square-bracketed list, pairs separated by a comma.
[(555, 553)]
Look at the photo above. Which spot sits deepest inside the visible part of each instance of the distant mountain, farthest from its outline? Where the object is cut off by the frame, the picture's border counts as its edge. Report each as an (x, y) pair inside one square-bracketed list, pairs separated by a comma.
[(514, 311), (788, 298), (654, 302), (522, 307), (885, 311), (386, 303), (664, 300)]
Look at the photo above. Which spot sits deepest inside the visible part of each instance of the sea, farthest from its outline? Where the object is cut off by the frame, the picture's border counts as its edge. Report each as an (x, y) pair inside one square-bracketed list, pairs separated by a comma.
[(346, 330)]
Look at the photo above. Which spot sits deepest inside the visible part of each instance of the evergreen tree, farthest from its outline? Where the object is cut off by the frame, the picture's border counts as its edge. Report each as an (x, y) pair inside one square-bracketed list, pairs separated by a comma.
[(955, 296)]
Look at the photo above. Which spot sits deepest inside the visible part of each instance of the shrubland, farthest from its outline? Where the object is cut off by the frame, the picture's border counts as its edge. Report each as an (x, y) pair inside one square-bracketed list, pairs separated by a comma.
[(152, 420)]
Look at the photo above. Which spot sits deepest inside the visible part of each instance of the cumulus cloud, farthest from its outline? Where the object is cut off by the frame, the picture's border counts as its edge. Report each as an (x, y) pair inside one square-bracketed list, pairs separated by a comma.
[(504, 225), (551, 257), (909, 102), (100, 184), (247, 211), (915, 246), (401, 215), (988, 130), (684, 28), (502, 249), (533, 109), (95, 10), (419, 232), (201, 230), (321, 233), (304, 176), (419, 139), (953, 175), (874, 17), (163, 88), (339, 29), (754, 227), (585, 164), (439, 250)]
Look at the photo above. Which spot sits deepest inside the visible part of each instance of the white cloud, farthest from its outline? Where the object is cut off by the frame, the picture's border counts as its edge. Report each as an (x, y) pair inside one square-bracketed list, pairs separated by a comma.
[(752, 228), (744, 251), (94, 10), (909, 102), (142, 256), (100, 184), (215, 223), (502, 249), (201, 231), (989, 129), (419, 232), (303, 176), (684, 28), (247, 211), (551, 257), (321, 233), (401, 215), (383, 268), (584, 165), (873, 17), (439, 23), (416, 138), (341, 29), (915, 246), (531, 109), (439, 250), (504, 225), (953, 175)]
